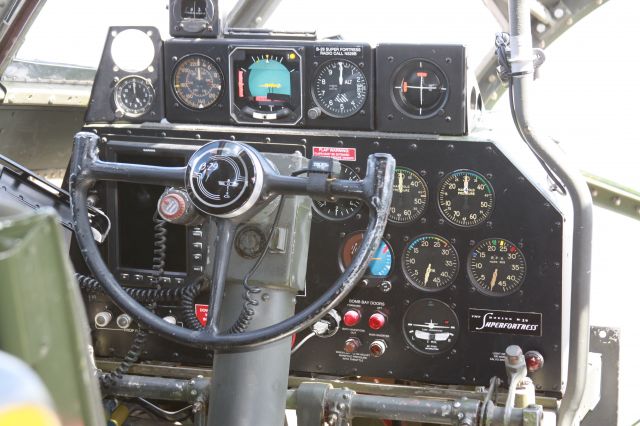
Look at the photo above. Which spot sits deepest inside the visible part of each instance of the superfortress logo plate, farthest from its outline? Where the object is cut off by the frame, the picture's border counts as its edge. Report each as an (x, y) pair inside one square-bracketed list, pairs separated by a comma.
[(505, 322)]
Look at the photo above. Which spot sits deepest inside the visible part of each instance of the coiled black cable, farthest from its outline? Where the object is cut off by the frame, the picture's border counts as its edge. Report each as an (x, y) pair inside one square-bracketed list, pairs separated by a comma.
[(160, 247), (142, 295), (248, 311), (187, 304), (134, 352)]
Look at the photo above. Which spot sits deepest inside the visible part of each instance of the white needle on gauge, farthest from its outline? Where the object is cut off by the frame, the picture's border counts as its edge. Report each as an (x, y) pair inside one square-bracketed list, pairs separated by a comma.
[(466, 184), (427, 273), (400, 182), (340, 80), (494, 277), (421, 90)]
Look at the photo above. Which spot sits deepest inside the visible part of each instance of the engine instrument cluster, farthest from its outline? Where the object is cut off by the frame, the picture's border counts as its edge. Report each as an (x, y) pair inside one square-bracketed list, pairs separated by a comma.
[(472, 257)]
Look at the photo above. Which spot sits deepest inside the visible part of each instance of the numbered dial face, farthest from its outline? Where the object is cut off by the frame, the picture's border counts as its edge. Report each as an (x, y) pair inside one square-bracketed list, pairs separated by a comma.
[(197, 82), (419, 88), (430, 262), (379, 265), (340, 88), (133, 96), (466, 198), (430, 327), (410, 196), (496, 267), (341, 209)]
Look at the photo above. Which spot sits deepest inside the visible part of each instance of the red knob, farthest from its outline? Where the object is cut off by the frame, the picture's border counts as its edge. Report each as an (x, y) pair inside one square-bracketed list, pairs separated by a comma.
[(534, 360), (377, 321), (351, 317)]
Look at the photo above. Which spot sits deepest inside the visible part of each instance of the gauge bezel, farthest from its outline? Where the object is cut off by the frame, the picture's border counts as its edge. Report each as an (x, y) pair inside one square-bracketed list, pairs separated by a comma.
[(343, 267), (323, 215), (434, 353), (426, 198), (479, 287), (314, 96), (173, 80), (418, 286), (117, 94), (446, 217), (232, 79), (441, 75)]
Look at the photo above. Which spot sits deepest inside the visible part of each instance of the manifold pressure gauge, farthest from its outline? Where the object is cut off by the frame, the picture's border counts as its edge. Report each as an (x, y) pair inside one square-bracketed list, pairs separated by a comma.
[(410, 196), (466, 198), (343, 208), (133, 96), (340, 88)]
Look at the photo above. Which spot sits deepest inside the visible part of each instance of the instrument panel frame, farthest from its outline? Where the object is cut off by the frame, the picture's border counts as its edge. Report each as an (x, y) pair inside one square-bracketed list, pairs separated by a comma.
[(542, 219)]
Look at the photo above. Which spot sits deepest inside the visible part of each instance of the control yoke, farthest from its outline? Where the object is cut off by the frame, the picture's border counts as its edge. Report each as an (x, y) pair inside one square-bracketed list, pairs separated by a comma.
[(230, 182)]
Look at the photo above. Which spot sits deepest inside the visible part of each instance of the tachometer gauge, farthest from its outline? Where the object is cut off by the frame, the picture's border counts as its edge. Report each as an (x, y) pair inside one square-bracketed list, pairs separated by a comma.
[(265, 85), (466, 198), (343, 208), (197, 82), (419, 88), (430, 327), (496, 267), (379, 265), (340, 88), (133, 96), (430, 262), (410, 196)]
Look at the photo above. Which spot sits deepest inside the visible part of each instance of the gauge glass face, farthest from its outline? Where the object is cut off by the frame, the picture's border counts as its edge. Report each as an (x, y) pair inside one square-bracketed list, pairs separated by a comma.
[(194, 9), (266, 85), (133, 96), (466, 198), (430, 262), (430, 327), (343, 208), (197, 82), (419, 88), (380, 263), (410, 196), (496, 267), (340, 88)]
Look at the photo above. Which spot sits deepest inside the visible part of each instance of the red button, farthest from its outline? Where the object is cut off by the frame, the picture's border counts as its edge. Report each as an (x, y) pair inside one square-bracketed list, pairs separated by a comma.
[(351, 318), (534, 360), (377, 321)]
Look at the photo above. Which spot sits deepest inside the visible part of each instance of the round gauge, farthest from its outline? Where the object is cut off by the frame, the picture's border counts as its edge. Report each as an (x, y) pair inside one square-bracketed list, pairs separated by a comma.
[(430, 326), (133, 96), (410, 196), (430, 262), (496, 267), (340, 88), (466, 198), (197, 82), (419, 88), (379, 265), (265, 85), (343, 208)]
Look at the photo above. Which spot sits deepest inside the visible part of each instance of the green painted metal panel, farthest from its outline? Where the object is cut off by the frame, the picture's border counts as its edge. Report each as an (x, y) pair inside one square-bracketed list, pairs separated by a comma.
[(41, 316)]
